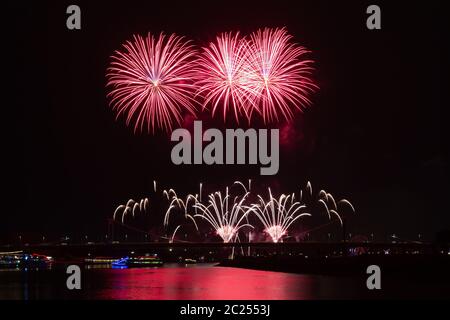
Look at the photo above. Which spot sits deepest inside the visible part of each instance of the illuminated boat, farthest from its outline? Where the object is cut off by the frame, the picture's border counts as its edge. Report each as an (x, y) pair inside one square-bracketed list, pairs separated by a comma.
[(188, 261), (100, 260), (36, 260), (138, 261), (10, 259), (19, 259)]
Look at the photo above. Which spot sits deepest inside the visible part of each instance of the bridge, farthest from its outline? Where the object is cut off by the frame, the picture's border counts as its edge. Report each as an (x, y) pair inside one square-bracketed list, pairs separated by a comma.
[(297, 246)]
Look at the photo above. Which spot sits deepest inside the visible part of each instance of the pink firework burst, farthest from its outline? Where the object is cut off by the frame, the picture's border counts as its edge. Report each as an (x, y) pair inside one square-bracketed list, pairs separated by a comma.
[(223, 75), (153, 81), (279, 75)]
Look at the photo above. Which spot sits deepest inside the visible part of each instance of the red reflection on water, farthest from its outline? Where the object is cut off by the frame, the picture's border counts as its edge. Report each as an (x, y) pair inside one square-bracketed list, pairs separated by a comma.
[(200, 283)]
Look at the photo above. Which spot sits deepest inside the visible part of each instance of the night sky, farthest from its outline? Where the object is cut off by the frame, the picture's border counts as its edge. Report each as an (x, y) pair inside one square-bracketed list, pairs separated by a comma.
[(375, 133)]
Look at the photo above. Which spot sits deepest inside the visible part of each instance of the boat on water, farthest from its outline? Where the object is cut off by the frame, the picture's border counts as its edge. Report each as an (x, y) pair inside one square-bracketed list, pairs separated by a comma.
[(139, 261), (188, 261), (10, 260), (18, 259), (99, 260)]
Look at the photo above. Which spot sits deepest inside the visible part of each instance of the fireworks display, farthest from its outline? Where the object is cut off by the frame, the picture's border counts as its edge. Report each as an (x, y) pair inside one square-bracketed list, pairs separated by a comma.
[(154, 80), (278, 215), (225, 214), (224, 76), (178, 204), (279, 78), (132, 207), (229, 212), (265, 73), (330, 205)]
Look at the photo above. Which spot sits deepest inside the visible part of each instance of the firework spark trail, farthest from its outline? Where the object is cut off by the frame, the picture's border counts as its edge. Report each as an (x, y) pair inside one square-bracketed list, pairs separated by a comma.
[(226, 220), (223, 75), (151, 81), (278, 75), (337, 215), (309, 187), (326, 208), (132, 207), (242, 185), (278, 215), (327, 200), (118, 209), (345, 201), (331, 198), (322, 194), (169, 210), (130, 202), (135, 207), (170, 192), (178, 203), (173, 235)]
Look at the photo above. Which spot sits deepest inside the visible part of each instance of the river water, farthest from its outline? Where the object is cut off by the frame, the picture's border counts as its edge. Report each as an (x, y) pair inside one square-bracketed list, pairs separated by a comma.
[(193, 282)]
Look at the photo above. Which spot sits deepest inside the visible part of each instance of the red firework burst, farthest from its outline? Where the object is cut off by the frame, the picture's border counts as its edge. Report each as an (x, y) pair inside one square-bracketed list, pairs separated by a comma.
[(265, 73), (223, 75), (152, 81), (279, 76)]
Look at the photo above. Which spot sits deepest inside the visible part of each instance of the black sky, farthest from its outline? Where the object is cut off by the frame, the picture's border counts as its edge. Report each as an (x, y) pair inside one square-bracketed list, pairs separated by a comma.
[(375, 133)]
